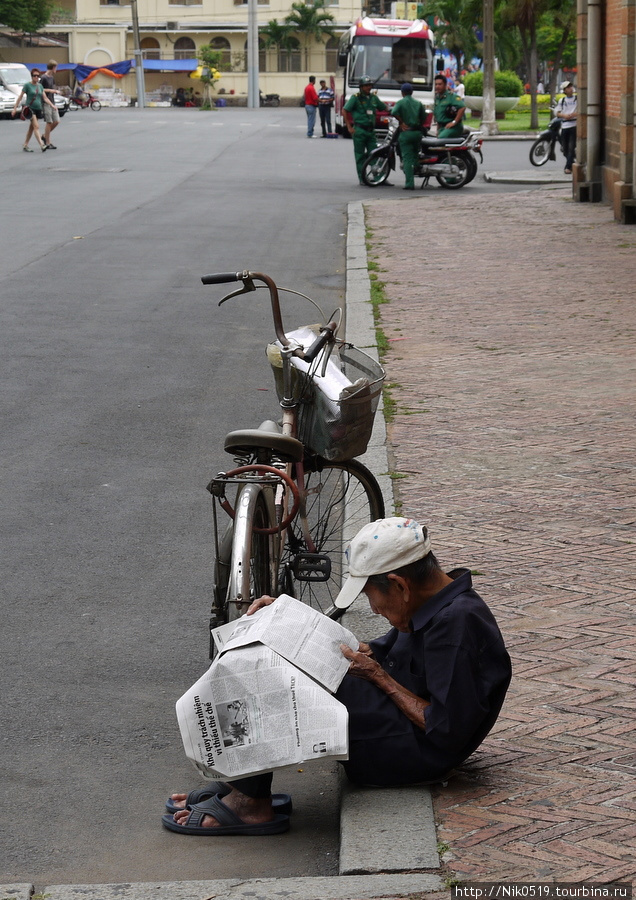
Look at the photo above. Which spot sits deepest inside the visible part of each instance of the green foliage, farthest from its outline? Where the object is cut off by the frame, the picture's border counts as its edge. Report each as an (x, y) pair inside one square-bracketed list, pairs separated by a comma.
[(312, 21), (507, 84), (25, 15), (210, 60), (455, 28), (275, 34), (543, 103)]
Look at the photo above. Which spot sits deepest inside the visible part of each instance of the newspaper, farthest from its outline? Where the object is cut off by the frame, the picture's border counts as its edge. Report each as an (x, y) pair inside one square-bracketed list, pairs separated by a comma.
[(266, 701)]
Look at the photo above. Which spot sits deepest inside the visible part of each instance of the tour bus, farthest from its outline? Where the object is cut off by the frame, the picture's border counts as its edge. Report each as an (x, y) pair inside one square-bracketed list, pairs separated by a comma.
[(390, 52)]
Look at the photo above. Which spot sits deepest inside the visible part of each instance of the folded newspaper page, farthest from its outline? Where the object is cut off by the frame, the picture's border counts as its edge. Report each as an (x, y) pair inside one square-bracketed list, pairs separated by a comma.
[(265, 701), (302, 635)]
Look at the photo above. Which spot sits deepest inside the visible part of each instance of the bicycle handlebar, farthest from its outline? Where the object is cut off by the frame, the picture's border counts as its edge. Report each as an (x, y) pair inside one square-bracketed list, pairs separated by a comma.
[(222, 278), (248, 278)]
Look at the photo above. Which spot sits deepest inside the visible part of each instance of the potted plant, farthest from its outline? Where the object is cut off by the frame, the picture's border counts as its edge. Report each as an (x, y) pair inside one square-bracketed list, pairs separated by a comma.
[(508, 89)]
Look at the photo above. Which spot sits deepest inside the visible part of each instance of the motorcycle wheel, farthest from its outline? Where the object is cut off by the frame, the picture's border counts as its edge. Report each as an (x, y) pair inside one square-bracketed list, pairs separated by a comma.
[(540, 152), (275, 102), (472, 167), (454, 182), (96, 105), (375, 170), (73, 105)]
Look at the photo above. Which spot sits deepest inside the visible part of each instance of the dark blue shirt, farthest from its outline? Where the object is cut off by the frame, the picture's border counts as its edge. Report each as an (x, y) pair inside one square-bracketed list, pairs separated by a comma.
[(455, 658)]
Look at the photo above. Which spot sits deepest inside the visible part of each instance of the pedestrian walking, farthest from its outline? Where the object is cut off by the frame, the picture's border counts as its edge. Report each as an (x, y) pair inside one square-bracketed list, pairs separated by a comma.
[(448, 110), (411, 115), (566, 111), (311, 105), (51, 114), (325, 104), (35, 100), (359, 114)]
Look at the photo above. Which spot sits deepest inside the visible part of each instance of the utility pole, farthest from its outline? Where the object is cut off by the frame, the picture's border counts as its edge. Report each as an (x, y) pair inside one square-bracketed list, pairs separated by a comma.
[(139, 63), (488, 118), (253, 100)]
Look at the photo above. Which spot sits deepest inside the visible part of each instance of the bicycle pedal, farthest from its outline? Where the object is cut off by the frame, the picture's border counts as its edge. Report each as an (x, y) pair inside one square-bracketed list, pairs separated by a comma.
[(311, 567)]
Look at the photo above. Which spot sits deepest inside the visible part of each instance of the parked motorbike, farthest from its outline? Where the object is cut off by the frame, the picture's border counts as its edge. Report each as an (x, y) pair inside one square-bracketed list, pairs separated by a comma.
[(450, 160), (543, 148), (83, 102), (269, 99)]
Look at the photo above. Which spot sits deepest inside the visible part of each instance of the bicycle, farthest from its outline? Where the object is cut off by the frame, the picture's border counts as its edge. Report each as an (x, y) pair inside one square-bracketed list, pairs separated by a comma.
[(299, 495)]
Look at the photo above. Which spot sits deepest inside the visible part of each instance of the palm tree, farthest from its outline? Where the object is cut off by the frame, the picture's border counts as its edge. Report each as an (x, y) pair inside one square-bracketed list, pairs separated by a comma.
[(455, 28), (311, 21)]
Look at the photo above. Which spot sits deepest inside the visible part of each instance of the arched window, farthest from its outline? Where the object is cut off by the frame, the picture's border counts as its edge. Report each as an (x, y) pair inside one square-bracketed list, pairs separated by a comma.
[(289, 60), (262, 56), (331, 55), (150, 48), (185, 48), (223, 45)]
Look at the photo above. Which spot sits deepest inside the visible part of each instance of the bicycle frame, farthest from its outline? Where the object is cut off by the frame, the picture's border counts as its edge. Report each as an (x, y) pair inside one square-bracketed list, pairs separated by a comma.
[(277, 497)]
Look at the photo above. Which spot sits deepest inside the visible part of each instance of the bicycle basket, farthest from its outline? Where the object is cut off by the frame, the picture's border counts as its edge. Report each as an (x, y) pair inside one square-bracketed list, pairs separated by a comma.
[(337, 402)]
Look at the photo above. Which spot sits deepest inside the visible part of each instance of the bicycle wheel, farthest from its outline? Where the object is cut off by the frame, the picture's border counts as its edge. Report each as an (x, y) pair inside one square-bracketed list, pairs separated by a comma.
[(540, 152), (96, 105), (251, 560), (339, 499)]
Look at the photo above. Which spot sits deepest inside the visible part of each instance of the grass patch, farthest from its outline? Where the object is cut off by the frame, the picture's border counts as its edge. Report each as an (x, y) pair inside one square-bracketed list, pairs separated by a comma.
[(515, 121)]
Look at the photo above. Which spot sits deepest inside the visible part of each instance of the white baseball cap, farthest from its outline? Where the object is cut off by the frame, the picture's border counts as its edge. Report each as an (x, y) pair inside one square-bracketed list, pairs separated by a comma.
[(380, 547)]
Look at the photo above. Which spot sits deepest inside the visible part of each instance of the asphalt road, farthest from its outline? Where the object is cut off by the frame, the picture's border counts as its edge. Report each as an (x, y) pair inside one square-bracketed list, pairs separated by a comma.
[(120, 377)]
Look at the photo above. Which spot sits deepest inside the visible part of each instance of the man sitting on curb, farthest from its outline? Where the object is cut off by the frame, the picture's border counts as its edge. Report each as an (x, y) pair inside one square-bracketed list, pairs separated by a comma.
[(420, 699)]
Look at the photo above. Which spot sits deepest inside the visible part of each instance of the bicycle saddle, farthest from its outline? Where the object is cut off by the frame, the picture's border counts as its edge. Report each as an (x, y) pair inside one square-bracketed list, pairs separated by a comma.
[(266, 437)]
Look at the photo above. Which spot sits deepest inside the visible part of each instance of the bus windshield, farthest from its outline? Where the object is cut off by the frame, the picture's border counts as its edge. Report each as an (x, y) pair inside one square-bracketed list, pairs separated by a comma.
[(389, 62)]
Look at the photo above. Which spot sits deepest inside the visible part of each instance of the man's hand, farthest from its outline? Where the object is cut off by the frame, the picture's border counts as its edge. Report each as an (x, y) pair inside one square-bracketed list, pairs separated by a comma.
[(361, 662), (259, 604)]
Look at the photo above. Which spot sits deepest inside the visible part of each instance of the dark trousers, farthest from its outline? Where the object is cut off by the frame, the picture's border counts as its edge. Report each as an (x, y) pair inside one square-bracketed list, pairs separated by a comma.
[(325, 119), (568, 142), (383, 746)]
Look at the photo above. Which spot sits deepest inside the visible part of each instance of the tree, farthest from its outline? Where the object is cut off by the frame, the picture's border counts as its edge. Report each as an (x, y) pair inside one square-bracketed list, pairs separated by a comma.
[(210, 61), (311, 21), (556, 40), (25, 15), (275, 34), (455, 28)]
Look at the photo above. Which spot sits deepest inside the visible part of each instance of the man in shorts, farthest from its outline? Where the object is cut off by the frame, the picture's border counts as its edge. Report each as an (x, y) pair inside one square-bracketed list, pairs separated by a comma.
[(51, 114)]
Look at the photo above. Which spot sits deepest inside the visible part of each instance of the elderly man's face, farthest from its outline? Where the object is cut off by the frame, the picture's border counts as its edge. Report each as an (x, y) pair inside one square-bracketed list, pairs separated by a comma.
[(393, 604)]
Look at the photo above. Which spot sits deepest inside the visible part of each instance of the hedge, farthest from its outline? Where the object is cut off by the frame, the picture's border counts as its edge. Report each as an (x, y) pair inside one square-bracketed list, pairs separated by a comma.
[(507, 84)]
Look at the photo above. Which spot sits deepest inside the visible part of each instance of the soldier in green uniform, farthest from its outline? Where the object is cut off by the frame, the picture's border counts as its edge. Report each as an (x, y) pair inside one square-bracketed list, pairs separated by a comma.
[(411, 115), (448, 110), (359, 114)]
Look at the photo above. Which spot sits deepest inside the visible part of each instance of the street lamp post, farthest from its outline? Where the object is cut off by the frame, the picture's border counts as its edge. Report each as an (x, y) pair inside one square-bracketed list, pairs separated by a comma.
[(139, 63), (252, 55)]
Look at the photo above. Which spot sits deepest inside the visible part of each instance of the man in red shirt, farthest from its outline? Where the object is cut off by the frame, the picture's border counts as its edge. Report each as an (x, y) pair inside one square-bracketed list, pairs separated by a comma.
[(311, 105)]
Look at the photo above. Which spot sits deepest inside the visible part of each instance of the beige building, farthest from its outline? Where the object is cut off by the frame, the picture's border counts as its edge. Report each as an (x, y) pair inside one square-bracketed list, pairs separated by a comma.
[(174, 29)]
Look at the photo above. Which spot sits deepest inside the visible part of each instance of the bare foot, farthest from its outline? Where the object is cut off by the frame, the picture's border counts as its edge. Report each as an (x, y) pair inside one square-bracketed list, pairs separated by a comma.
[(179, 800), (252, 812)]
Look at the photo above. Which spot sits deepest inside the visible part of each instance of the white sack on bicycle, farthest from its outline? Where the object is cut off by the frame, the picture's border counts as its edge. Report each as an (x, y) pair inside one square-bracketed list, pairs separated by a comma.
[(338, 393)]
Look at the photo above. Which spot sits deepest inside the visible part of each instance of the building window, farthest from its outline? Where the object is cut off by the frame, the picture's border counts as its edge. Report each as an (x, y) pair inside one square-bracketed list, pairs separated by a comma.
[(222, 45), (114, 2), (289, 59), (331, 54), (185, 2), (150, 48), (244, 2), (184, 48), (262, 56)]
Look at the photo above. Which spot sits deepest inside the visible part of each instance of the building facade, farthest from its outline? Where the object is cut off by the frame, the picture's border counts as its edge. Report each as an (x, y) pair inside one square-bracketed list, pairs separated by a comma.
[(606, 167), (102, 34)]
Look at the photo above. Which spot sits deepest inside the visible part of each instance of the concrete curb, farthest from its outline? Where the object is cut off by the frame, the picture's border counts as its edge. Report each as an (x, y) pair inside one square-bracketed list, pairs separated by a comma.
[(339, 888), (530, 177)]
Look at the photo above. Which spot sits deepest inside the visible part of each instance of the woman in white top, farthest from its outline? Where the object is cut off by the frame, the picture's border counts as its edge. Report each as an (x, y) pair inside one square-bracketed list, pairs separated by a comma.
[(566, 111)]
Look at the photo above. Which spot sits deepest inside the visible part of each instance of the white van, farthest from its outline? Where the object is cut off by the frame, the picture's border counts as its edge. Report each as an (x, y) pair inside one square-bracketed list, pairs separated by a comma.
[(13, 77)]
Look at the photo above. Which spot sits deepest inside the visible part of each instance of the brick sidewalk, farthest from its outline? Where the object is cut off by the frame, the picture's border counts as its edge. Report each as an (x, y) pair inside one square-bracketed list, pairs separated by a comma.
[(513, 327)]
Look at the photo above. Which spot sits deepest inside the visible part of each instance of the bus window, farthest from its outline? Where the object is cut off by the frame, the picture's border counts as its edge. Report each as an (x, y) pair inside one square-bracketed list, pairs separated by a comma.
[(392, 61)]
